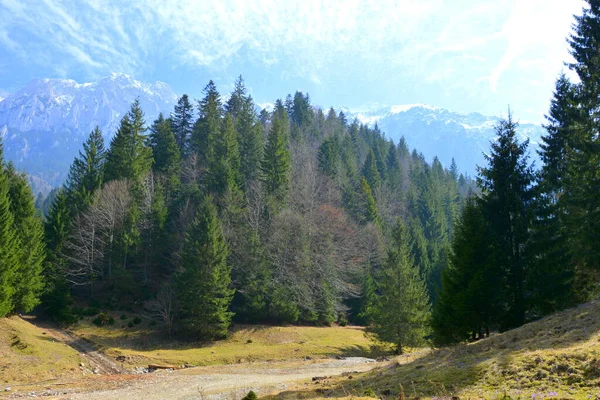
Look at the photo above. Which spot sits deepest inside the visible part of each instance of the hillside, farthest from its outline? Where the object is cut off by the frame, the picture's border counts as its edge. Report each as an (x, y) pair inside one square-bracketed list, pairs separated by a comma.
[(555, 357)]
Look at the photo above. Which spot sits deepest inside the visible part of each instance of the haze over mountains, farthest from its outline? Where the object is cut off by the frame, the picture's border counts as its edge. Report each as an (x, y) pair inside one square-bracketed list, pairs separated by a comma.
[(44, 124)]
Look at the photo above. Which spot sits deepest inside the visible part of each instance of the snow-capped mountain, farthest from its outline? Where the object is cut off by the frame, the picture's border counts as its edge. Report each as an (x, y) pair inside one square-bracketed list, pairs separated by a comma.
[(437, 132), (44, 124)]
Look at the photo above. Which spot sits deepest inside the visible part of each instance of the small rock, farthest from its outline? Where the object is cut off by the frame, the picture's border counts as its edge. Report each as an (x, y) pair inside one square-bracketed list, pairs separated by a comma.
[(7, 389), (81, 365)]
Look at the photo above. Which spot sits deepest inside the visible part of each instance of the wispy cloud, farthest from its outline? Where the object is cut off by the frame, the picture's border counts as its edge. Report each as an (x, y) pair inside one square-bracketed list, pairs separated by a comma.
[(468, 44)]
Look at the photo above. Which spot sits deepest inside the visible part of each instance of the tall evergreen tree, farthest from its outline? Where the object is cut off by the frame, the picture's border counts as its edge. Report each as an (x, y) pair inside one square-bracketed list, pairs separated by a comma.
[(251, 143), (87, 172), (30, 236), (506, 185), (128, 156), (466, 305), (552, 266), (208, 126), (182, 123), (165, 152), (204, 277), (401, 311), (9, 251), (224, 160), (276, 163), (582, 179), (370, 170)]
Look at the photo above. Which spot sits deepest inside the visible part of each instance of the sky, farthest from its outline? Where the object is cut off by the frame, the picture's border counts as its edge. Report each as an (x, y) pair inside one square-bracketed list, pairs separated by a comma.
[(462, 55)]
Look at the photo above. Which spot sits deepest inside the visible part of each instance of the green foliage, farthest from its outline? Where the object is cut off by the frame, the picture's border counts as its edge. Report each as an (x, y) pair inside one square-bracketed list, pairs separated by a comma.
[(506, 204), (203, 280), (182, 123), (276, 162), (466, 305), (401, 310), (250, 396), (165, 151), (29, 230), (128, 156), (9, 250), (86, 173), (208, 126), (224, 160)]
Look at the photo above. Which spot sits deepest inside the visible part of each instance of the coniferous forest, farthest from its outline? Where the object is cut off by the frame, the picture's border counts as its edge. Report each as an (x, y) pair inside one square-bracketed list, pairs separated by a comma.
[(218, 213)]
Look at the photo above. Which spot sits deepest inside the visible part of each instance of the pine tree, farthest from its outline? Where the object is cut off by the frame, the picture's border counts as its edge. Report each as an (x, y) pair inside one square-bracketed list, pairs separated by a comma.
[(552, 267), (582, 179), (128, 156), (165, 152), (506, 185), (401, 311), (276, 163), (9, 245), (224, 161), (204, 277), (370, 170), (182, 123), (370, 206), (465, 308), (30, 236), (87, 172), (328, 157), (251, 143), (208, 126), (238, 98)]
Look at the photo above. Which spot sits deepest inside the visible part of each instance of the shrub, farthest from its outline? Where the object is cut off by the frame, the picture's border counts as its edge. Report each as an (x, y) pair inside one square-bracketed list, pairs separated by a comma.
[(123, 317), (103, 319), (91, 311), (369, 393), (137, 320), (130, 324), (250, 396)]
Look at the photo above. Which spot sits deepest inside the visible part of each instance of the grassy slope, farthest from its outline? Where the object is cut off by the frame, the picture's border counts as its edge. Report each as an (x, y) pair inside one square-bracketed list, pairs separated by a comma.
[(141, 345), (556, 357), (29, 355)]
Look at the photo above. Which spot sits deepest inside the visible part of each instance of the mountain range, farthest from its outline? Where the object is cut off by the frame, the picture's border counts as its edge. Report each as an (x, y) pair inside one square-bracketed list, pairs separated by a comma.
[(44, 124), (437, 132)]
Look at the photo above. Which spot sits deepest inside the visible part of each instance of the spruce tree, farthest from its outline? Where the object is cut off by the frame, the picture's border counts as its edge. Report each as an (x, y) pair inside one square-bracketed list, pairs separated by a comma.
[(203, 278), (401, 311), (182, 123), (466, 304), (30, 236), (87, 172), (251, 143), (276, 165), (370, 170), (128, 156), (506, 185), (552, 266), (165, 152), (582, 179), (9, 245), (208, 126), (224, 161)]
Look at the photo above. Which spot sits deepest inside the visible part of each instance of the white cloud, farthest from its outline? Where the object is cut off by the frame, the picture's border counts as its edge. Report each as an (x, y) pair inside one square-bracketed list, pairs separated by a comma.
[(467, 44)]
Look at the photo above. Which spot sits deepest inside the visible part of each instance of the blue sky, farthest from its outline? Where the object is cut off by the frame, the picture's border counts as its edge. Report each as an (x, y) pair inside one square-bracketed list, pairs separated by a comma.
[(463, 55)]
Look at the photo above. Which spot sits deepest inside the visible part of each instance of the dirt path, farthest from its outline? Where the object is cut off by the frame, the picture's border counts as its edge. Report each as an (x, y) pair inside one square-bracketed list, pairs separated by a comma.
[(96, 361), (228, 382)]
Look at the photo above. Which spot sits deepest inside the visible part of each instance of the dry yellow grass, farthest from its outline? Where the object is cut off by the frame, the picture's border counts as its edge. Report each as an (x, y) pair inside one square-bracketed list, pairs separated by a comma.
[(29, 355), (142, 345), (556, 357)]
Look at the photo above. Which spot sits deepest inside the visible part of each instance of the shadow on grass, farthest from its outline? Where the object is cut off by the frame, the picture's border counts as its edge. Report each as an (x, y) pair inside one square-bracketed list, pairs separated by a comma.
[(545, 356)]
